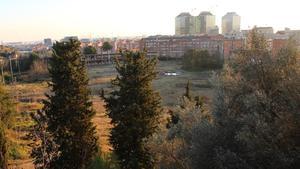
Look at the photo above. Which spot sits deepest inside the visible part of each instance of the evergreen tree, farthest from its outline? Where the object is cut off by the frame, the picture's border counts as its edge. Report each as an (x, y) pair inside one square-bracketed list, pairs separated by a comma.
[(89, 50), (68, 109), (134, 108)]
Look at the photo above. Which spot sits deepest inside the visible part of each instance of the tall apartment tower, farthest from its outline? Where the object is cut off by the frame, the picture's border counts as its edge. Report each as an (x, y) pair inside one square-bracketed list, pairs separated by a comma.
[(205, 23), (184, 24), (231, 23), (48, 42)]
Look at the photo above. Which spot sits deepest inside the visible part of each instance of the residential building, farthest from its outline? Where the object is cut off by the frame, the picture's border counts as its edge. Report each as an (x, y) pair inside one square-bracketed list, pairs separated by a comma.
[(268, 32), (128, 44), (207, 22), (48, 42), (231, 45), (176, 46), (288, 33), (277, 45), (184, 24), (231, 23), (214, 31)]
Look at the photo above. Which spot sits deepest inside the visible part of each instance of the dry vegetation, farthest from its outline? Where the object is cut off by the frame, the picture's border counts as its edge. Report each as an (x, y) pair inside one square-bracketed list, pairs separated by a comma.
[(29, 96)]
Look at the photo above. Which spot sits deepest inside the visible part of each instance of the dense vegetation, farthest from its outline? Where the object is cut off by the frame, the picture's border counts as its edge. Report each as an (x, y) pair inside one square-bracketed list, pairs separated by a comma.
[(253, 121), (256, 113), (199, 60), (134, 108), (255, 118), (7, 111), (89, 50), (64, 125)]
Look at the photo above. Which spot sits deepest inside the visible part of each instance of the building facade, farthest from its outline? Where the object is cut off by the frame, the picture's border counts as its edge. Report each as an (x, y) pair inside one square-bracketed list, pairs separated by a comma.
[(176, 46), (293, 34), (207, 22), (231, 45), (128, 44), (267, 32), (204, 23), (48, 42), (231, 23), (184, 24)]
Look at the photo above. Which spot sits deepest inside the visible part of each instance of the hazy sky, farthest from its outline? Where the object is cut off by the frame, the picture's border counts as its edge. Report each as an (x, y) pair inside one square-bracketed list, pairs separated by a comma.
[(26, 20)]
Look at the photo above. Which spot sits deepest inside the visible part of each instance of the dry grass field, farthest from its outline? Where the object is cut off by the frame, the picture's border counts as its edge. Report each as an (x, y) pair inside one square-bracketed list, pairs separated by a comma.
[(169, 87), (29, 95)]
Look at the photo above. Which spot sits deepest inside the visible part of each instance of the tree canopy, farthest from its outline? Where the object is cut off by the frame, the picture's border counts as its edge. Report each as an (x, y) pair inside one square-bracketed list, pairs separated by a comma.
[(256, 112), (134, 108), (106, 46), (68, 111), (198, 60), (89, 50)]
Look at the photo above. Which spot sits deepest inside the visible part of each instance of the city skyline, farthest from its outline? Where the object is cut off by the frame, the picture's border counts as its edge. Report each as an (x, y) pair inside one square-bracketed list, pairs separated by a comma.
[(34, 20)]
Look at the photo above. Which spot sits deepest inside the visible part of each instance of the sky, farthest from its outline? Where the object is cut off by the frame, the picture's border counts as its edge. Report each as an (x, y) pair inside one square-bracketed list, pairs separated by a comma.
[(33, 20)]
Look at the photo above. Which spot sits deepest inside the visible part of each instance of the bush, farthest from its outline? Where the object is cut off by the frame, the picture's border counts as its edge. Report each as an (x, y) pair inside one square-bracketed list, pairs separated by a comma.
[(173, 141), (104, 161), (256, 118)]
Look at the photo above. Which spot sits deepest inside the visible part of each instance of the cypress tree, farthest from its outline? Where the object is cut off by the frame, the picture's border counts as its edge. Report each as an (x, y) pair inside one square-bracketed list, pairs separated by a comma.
[(134, 108), (68, 109)]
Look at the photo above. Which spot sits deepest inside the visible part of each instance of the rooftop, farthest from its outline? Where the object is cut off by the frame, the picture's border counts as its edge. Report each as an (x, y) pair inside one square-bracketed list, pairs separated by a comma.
[(205, 13), (184, 14)]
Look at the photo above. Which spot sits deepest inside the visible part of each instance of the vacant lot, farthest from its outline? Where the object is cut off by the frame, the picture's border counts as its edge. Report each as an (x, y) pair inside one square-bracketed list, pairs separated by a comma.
[(29, 96), (170, 87)]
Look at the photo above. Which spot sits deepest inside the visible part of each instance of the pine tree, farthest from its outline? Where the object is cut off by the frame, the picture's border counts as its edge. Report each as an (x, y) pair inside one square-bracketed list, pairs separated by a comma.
[(134, 108), (68, 109)]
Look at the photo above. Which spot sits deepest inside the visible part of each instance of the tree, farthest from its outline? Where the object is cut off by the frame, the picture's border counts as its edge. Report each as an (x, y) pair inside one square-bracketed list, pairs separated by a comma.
[(134, 108), (68, 110), (44, 149), (196, 60), (89, 50), (106, 46), (7, 112), (256, 112)]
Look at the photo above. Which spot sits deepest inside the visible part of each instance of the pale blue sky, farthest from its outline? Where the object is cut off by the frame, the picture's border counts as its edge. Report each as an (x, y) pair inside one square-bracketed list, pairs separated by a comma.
[(26, 20)]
